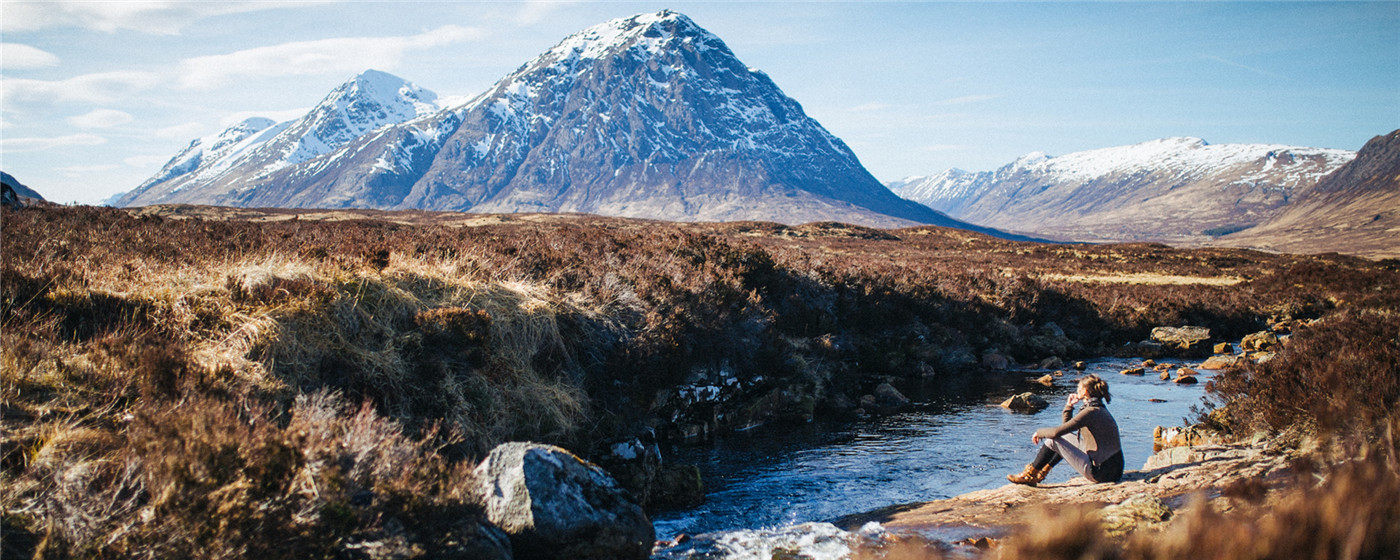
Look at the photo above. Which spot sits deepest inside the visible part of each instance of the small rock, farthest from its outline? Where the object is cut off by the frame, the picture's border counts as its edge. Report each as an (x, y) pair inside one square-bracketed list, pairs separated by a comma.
[(1080, 366), (1028, 402), (1185, 380), (995, 361), (888, 398), (1186, 371), (1262, 340), (1156, 400), (1046, 380), (1149, 363), (1059, 373), (1133, 371), (1224, 348), (1165, 375)]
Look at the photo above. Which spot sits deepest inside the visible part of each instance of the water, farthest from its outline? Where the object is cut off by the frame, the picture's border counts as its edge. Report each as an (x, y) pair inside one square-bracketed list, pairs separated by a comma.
[(958, 442)]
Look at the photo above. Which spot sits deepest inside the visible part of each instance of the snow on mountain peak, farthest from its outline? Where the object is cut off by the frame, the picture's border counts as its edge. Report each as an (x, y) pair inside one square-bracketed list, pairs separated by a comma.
[(648, 31)]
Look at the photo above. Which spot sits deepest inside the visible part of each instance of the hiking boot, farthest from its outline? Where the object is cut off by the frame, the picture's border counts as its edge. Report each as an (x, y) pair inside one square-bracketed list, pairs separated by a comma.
[(1031, 476)]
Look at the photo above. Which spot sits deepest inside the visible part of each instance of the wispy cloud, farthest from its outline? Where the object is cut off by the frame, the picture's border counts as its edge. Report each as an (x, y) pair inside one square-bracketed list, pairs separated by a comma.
[(326, 56), (14, 56), (37, 143), (100, 118), (1228, 62), (964, 100), (102, 87), (182, 130), (164, 17)]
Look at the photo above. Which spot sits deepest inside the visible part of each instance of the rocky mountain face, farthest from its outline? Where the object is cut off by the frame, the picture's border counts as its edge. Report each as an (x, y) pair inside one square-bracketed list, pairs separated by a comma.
[(1172, 189), (648, 116), (1355, 209), (18, 189), (217, 168)]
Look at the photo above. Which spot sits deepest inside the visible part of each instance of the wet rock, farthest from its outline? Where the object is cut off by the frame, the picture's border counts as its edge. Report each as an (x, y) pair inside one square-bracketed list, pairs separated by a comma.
[(1165, 375), (1046, 380), (867, 402), (1133, 513), (1080, 366), (1218, 362), (889, 399), (1184, 379), (635, 464), (555, 505), (678, 486), (1184, 341), (1058, 373), (1025, 402), (992, 360), (1133, 371), (1053, 362), (1224, 348), (1149, 363)]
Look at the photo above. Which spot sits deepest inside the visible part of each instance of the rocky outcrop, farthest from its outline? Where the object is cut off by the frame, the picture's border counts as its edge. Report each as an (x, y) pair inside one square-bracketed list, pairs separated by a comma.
[(555, 505), (1185, 341)]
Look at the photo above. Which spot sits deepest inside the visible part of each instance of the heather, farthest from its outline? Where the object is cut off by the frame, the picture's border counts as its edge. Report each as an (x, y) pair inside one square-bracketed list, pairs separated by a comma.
[(182, 383)]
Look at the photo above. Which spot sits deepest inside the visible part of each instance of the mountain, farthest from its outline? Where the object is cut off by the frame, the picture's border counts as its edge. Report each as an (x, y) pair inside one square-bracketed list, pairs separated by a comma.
[(1171, 189), (213, 168), (19, 189), (647, 116), (1355, 209)]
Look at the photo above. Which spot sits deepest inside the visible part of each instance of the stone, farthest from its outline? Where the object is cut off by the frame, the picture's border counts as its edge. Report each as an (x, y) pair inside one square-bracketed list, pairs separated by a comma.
[(1224, 348), (554, 504), (1080, 366), (1165, 375), (1186, 371), (1185, 379), (992, 360), (1185, 341), (1053, 362), (678, 486), (1135, 512), (1162, 367), (1046, 380), (1133, 371), (888, 398), (1164, 437), (1262, 340), (1059, 373), (867, 402), (1218, 362), (1149, 363), (1025, 402)]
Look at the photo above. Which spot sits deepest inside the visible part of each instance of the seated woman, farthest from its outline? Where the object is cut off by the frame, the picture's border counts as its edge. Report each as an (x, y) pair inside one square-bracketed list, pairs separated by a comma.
[(1094, 449)]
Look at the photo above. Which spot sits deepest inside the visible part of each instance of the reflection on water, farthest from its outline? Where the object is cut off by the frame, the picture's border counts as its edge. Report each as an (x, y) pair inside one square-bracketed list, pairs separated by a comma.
[(959, 442)]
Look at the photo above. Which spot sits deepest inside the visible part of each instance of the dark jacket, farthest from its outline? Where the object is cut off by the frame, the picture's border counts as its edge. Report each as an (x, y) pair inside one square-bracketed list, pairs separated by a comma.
[(1098, 437)]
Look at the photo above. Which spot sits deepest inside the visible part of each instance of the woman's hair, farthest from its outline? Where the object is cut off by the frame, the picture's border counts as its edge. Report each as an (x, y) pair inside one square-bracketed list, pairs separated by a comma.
[(1095, 387)]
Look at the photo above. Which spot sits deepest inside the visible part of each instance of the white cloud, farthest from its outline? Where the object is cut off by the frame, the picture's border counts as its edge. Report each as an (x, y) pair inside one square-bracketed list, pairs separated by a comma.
[(147, 161), (36, 143), (183, 131), (14, 56), (100, 118), (965, 99), (535, 11), (345, 55), (166, 17), (102, 87)]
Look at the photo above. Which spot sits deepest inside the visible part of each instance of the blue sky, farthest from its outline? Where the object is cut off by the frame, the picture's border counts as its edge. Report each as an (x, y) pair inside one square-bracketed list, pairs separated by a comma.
[(98, 95)]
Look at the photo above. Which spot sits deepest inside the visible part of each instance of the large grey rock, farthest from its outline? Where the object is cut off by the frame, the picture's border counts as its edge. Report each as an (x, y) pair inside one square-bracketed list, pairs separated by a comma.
[(555, 505), (1186, 340), (1027, 402), (888, 398)]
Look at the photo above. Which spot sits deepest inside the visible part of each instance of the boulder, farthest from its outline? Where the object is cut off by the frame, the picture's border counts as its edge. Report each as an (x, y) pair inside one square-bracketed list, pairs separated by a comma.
[(1025, 402), (992, 360), (1046, 380), (1186, 371), (1218, 362), (1187, 340), (1149, 363), (678, 486), (1080, 366), (553, 504), (1133, 513), (1133, 371), (1165, 375), (1053, 362), (635, 464), (889, 399), (1184, 379), (1224, 348)]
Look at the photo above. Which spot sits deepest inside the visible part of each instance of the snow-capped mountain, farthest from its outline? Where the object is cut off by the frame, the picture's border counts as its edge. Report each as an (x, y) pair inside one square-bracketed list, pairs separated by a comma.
[(646, 116), (1167, 189), (218, 166)]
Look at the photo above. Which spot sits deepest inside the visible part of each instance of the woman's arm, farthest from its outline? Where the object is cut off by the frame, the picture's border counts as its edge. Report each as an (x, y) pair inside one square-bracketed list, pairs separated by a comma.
[(1071, 424)]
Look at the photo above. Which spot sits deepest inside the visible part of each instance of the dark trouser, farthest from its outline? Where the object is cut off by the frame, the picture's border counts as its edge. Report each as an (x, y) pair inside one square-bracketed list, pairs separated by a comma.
[(1053, 450)]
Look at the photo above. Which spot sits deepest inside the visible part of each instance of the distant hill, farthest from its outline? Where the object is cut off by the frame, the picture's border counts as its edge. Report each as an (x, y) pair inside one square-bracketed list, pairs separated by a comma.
[(1355, 209), (1171, 189), (14, 192), (648, 116)]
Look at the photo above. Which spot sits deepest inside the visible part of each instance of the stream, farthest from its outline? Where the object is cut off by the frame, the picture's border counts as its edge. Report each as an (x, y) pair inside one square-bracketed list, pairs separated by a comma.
[(956, 441)]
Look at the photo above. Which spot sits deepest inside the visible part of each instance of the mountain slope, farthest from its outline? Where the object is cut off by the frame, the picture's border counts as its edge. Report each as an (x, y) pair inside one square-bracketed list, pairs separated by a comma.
[(648, 116), (213, 168), (1355, 209), (1172, 189), (19, 188)]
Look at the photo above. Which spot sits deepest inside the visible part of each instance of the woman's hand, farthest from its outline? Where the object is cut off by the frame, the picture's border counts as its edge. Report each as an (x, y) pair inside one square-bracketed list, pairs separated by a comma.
[(1073, 398), (1035, 439)]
